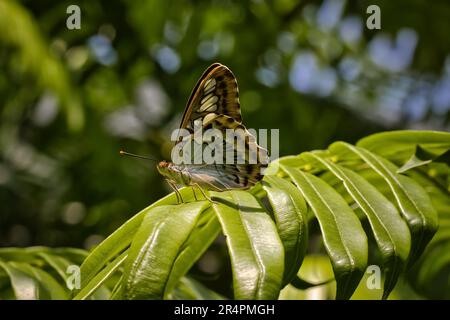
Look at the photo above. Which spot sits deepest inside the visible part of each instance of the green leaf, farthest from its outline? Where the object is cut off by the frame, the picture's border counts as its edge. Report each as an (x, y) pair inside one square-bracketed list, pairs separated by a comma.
[(100, 278), (412, 200), (48, 287), (156, 247), (20, 254), (431, 276), (121, 239), (74, 255), (418, 159), (110, 247), (444, 158), (25, 287), (289, 210), (398, 146), (201, 237), (256, 251), (40, 265), (422, 157), (316, 269), (343, 235), (302, 284), (390, 231), (191, 289), (203, 234), (440, 197), (59, 264)]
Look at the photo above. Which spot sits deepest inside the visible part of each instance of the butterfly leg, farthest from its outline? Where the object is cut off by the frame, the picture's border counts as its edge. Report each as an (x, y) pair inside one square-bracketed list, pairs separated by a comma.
[(177, 193), (203, 193), (195, 195)]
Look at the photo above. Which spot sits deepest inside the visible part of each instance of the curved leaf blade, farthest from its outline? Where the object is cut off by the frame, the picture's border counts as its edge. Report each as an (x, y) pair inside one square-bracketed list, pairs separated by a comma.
[(121, 239), (256, 251), (24, 286), (100, 278), (343, 235), (190, 289), (289, 210), (155, 248), (203, 234), (398, 146), (390, 230), (412, 200), (422, 157), (303, 284), (59, 264), (49, 288)]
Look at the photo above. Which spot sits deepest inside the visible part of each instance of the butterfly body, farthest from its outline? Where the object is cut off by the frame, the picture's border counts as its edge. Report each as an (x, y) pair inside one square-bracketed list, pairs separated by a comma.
[(177, 174), (214, 104), (209, 176)]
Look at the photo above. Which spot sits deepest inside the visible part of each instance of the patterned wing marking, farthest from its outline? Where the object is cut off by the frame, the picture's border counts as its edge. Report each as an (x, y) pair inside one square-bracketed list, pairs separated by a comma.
[(217, 92)]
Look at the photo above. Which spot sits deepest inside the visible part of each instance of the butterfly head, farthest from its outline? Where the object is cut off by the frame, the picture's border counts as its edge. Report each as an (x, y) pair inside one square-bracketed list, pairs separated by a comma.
[(171, 172), (163, 164), (163, 167)]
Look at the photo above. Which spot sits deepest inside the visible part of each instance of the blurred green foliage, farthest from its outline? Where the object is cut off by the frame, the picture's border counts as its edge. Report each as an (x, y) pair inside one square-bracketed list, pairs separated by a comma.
[(71, 99)]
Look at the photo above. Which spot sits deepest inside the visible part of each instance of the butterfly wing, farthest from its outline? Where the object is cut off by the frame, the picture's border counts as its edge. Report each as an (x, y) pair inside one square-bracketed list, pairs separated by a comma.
[(225, 177), (248, 158), (215, 92), (214, 103), (243, 146)]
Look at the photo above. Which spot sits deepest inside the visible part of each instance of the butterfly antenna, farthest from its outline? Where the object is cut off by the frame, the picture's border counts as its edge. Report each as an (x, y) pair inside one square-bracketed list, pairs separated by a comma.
[(124, 153)]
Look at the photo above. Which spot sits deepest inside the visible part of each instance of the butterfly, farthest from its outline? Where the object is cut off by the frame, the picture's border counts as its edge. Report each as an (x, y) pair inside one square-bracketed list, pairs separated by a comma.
[(214, 104)]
